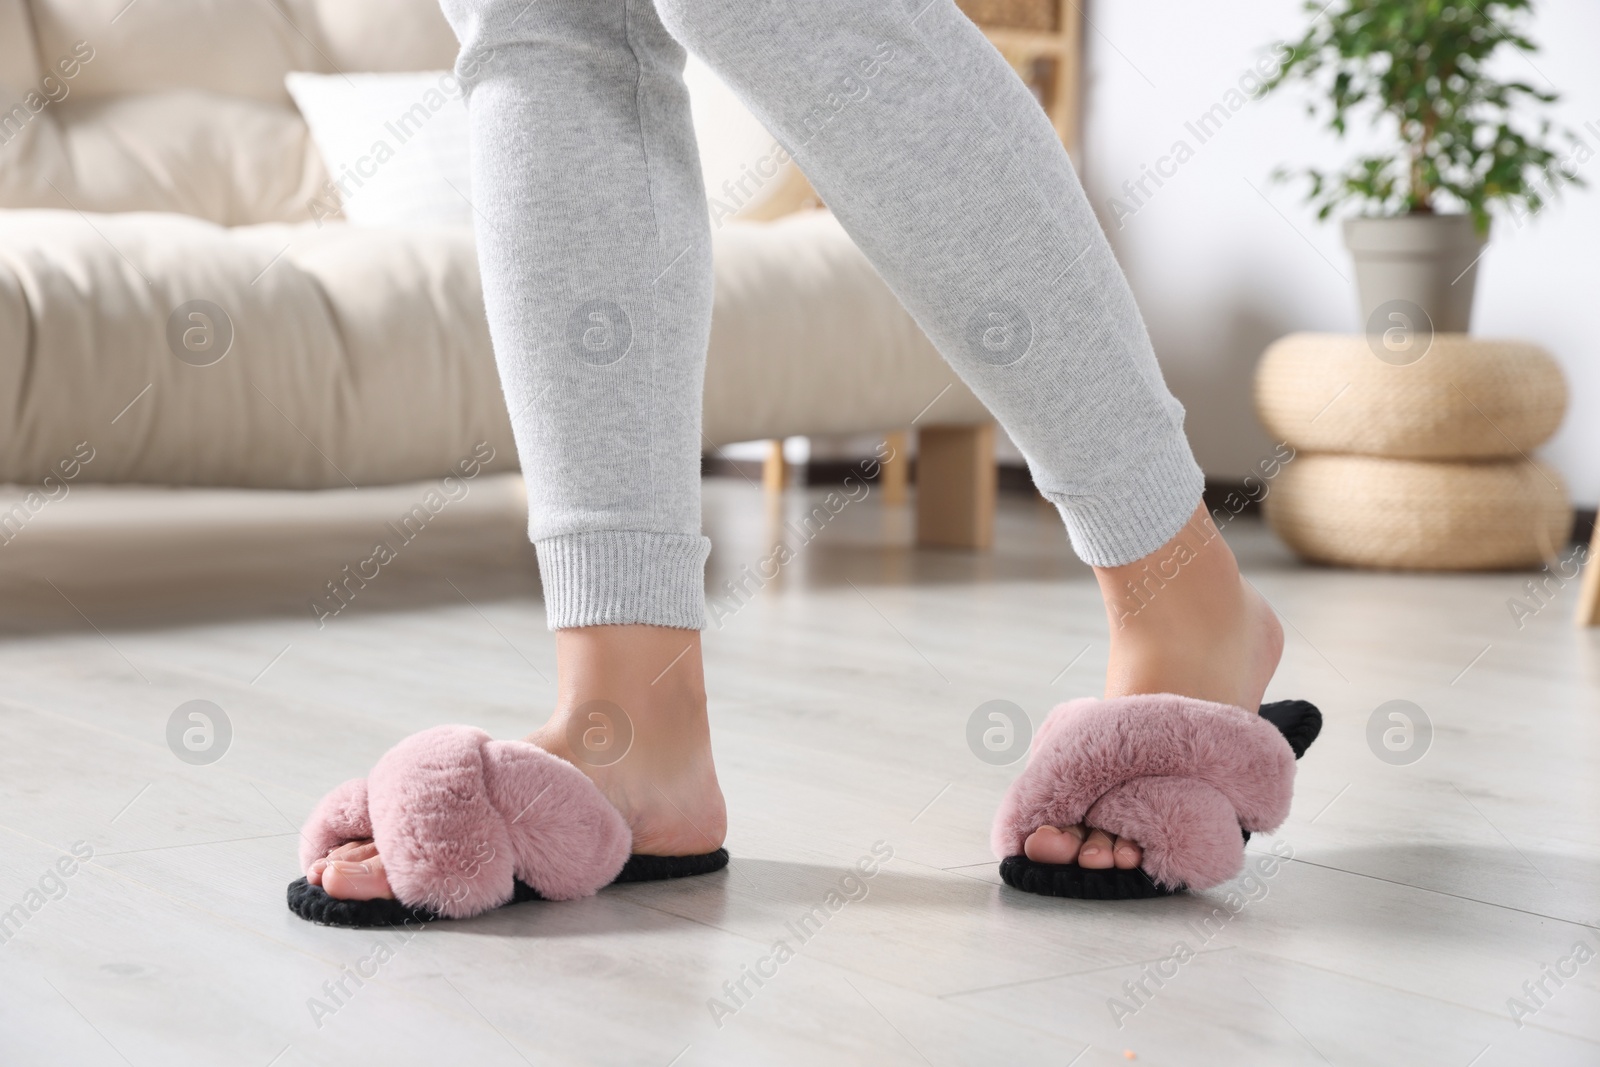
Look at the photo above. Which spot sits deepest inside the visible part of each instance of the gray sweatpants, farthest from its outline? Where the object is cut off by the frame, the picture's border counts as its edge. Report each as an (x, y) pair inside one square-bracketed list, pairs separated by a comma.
[(594, 237)]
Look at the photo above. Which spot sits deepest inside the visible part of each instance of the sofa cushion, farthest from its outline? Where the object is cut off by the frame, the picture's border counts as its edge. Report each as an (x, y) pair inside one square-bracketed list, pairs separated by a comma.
[(224, 159), (357, 357), (239, 47), (361, 356)]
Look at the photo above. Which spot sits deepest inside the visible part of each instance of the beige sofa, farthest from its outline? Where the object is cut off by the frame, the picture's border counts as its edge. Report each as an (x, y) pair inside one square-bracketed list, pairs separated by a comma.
[(150, 157)]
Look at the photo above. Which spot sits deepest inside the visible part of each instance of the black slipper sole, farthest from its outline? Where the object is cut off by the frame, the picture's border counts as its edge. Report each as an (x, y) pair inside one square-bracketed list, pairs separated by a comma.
[(1298, 720), (313, 904)]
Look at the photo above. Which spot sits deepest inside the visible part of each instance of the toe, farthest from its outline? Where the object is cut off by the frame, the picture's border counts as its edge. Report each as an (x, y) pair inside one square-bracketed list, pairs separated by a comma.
[(1096, 854), (1048, 844), (1127, 853), (352, 851), (357, 880)]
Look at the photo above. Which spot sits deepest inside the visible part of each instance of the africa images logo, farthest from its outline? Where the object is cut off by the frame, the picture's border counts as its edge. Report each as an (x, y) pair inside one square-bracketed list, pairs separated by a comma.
[(599, 332), (1000, 335)]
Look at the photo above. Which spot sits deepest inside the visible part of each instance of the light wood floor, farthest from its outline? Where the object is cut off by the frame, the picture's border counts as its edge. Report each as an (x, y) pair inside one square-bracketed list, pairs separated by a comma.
[(1418, 901)]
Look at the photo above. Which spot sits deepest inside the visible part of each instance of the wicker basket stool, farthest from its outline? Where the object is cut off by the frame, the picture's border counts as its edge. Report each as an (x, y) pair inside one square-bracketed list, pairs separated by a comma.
[(1421, 466), (1365, 511), (1465, 399)]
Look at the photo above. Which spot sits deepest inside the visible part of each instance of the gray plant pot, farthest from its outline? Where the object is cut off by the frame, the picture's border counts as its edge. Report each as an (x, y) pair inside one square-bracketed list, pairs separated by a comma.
[(1429, 261)]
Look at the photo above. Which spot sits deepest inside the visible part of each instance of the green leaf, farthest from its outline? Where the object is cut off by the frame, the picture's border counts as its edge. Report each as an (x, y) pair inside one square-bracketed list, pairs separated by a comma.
[(1416, 70)]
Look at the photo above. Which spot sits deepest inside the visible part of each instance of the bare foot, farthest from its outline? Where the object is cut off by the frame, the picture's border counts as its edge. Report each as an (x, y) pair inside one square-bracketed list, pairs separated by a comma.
[(630, 714), (1183, 621)]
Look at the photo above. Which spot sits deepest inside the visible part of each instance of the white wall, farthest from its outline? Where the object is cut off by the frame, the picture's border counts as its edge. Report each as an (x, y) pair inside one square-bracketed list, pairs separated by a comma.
[(1220, 272)]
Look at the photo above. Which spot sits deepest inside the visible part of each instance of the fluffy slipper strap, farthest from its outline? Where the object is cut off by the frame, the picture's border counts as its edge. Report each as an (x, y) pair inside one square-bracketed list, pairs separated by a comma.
[(459, 818), (1181, 776)]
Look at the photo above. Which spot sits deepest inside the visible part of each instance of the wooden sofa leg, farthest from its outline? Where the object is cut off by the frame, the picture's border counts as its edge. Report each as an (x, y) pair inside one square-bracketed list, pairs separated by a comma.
[(894, 472), (956, 482), (1589, 591), (775, 469)]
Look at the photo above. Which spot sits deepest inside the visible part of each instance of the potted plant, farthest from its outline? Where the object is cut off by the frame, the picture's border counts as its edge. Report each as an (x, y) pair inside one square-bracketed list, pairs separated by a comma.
[(1416, 70)]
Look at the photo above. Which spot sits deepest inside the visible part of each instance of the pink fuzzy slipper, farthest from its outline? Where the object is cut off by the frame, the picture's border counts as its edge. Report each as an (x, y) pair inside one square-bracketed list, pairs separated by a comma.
[(466, 824), (1187, 779)]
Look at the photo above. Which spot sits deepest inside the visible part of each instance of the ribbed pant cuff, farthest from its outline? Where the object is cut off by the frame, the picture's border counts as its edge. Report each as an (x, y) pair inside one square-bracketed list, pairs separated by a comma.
[(623, 577), (1132, 516)]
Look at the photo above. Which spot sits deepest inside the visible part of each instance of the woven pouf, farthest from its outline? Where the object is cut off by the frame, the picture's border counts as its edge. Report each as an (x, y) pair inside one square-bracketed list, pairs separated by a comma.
[(1366, 511), (1465, 399)]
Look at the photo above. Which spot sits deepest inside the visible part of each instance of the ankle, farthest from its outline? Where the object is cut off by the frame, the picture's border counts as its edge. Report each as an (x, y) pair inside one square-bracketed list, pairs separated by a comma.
[(1183, 620), (655, 662), (636, 691), (1192, 578)]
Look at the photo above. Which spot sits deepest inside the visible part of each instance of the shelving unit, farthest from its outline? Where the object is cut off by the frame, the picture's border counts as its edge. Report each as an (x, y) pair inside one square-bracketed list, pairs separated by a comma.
[(1043, 41)]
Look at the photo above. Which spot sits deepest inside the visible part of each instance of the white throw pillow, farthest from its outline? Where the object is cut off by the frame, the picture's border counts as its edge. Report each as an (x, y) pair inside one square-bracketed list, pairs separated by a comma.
[(395, 146)]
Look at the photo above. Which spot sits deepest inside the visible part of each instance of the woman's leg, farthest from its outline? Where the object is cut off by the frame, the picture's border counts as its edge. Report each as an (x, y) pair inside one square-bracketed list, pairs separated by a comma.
[(595, 248), (949, 177), (596, 255)]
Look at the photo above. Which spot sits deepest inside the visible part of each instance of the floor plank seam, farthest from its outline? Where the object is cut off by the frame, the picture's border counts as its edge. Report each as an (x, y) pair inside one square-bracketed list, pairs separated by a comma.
[(1445, 893), (1078, 974)]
